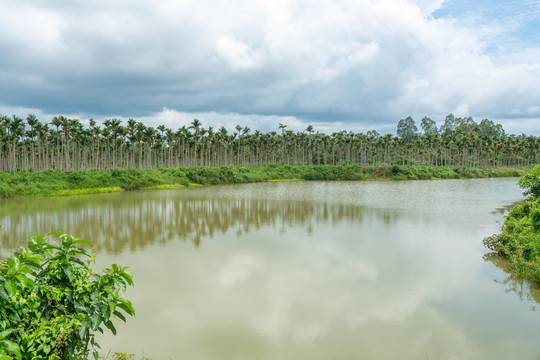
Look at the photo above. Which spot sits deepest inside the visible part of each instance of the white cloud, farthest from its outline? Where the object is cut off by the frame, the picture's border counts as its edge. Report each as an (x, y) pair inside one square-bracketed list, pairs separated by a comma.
[(362, 63), (239, 55), (427, 7)]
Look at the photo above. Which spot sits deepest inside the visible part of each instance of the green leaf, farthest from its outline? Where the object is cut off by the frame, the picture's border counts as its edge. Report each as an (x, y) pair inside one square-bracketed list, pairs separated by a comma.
[(82, 242), (10, 287), (34, 266), (121, 283), (12, 348), (24, 281), (119, 315), (81, 307), (112, 306), (82, 252), (11, 266), (68, 270), (3, 294), (110, 326), (96, 320), (105, 311), (83, 330), (5, 357), (128, 277), (78, 261), (126, 306), (6, 332)]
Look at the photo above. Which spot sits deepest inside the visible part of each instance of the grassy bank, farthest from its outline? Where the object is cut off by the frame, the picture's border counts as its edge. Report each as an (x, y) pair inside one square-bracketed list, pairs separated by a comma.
[(519, 240), (52, 182)]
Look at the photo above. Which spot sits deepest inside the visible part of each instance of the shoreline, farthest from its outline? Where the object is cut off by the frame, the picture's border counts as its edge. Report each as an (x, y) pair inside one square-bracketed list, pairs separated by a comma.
[(66, 183)]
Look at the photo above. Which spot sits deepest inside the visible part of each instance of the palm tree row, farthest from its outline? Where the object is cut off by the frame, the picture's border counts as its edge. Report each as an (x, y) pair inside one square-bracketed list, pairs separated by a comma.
[(65, 144)]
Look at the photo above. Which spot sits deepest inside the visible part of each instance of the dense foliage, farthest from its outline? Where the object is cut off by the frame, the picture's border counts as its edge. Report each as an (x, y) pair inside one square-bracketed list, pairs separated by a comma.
[(65, 144), (52, 302), (519, 239), (55, 182)]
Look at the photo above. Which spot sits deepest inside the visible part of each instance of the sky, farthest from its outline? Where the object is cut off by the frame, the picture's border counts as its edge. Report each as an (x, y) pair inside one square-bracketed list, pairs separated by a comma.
[(355, 65)]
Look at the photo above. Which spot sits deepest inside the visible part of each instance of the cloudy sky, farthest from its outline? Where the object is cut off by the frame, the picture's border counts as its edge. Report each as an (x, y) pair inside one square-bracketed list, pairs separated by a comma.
[(335, 64)]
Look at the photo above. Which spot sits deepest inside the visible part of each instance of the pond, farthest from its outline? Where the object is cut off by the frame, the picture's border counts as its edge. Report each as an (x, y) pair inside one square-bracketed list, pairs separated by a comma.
[(304, 270)]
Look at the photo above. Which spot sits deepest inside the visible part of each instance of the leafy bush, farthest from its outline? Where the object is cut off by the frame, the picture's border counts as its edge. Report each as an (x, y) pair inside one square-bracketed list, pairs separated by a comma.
[(535, 220), (519, 240), (531, 182), (52, 302)]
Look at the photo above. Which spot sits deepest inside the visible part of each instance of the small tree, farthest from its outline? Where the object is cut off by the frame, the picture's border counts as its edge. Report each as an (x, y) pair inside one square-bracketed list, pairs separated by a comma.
[(52, 302), (531, 182)]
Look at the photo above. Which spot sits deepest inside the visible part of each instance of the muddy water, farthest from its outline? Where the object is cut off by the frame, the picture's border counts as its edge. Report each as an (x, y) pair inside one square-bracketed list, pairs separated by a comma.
[(307, 270)]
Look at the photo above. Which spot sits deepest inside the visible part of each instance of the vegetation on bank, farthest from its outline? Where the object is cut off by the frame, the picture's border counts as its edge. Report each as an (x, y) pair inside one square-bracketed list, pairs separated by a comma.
[(519, 240), (52, 302), (54, 182), (69, 144)]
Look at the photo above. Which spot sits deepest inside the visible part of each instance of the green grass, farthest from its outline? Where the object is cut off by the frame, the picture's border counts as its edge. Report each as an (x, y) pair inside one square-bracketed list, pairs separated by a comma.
[(284, 180), (165, 187), (68, 192), (53, 182)]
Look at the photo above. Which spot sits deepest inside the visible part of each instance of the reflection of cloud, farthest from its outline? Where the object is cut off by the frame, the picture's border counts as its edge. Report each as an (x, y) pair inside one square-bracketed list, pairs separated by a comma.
[(237, 269)]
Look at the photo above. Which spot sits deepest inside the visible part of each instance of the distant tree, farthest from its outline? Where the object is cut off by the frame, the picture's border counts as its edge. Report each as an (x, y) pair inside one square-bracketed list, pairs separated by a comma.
[(449, 126), (465, 125), (488, 128), (65, 144), (429, 126), (406, 128), (373, 133)]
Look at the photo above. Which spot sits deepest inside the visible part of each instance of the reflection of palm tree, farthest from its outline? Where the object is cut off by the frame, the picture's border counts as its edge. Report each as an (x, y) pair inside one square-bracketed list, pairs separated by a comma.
[(118, 224)]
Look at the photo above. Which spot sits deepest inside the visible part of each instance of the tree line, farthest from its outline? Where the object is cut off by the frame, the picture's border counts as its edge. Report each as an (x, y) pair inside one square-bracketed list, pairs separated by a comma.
[(66, 144)]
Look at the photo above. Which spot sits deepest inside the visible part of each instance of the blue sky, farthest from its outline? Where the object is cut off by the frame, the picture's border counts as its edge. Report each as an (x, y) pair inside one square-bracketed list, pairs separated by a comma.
[(336, 64), (519, 21)]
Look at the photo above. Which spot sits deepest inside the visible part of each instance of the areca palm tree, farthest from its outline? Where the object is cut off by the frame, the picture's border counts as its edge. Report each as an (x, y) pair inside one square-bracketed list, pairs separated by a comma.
[(33, 145)]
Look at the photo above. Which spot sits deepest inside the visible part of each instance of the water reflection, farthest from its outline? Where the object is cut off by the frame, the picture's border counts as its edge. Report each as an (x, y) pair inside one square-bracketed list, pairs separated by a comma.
[(525, 290), (133, 221), (302, 270)]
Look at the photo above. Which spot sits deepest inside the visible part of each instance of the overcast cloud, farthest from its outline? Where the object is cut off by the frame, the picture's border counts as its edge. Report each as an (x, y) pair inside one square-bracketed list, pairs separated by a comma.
[(335, 64)]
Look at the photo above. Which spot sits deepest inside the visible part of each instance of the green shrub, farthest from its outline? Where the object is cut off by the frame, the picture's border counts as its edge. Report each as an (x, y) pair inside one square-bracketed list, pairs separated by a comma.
[(520, 210), (531, 182), (535, 219), (52, 302), (519, 240)]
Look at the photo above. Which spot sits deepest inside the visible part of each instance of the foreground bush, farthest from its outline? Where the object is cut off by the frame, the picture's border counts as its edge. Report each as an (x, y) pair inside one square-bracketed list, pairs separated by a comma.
[(52, 302), (519, 239)]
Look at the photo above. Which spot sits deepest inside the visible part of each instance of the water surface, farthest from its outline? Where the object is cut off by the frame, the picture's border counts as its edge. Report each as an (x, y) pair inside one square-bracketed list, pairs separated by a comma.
[(307, 270)]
